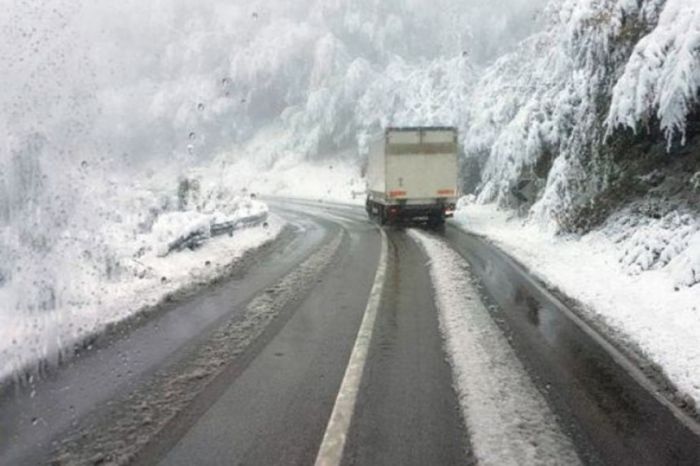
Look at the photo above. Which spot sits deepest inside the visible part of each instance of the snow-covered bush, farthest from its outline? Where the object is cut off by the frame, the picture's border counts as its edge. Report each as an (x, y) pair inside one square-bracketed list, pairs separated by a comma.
[(649, 243), (686, 268)]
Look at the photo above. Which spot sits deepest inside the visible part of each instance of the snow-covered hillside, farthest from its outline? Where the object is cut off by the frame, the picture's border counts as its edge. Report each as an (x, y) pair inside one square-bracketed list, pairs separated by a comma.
[(551, 118)]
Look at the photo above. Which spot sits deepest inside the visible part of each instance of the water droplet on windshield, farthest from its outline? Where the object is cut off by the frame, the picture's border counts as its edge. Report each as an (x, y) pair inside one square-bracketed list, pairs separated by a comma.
[(84, 164), (201, 107), (192, 136)]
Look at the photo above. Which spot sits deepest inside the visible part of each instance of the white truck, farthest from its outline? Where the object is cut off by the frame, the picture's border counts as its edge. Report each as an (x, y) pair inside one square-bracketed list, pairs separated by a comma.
[(412, 175)]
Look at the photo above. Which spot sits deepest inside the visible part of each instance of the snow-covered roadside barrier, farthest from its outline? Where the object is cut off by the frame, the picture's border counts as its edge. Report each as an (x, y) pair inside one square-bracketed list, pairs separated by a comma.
[(646, 309), (508, 420), (180, 251), (176, 231)]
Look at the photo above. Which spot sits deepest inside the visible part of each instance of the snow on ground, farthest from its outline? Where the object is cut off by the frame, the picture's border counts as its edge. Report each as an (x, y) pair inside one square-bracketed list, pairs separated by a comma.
[(145, 269), (329, 180), (644, 308), (509, 421), (266, 165)]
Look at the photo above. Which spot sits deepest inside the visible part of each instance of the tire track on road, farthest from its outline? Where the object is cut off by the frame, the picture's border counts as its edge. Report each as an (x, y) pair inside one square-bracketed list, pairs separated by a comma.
[(509, 421), (130, 425)]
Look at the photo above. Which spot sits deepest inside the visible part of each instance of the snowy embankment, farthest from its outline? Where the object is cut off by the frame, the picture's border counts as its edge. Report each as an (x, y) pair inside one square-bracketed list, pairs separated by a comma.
[(267, 166), (508, 419), (139, 265), (650, 311)]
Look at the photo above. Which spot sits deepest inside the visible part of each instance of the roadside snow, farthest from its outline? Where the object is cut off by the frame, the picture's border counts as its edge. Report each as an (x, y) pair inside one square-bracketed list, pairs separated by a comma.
[(642, 307), (31, 336), (509, 421), (267, 166), (132, 423)]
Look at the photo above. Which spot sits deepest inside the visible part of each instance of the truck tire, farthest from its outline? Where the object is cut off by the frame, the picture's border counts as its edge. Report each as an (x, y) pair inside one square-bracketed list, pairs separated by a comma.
[(436, 221), (382, 215)]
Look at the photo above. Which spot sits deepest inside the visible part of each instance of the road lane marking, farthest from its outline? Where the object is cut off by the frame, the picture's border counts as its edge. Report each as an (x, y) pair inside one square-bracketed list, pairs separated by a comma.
[(333, 444)]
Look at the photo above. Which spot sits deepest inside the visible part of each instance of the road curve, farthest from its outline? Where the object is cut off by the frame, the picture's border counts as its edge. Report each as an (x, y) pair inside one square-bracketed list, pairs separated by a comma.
[(249, 370), (37, 417)]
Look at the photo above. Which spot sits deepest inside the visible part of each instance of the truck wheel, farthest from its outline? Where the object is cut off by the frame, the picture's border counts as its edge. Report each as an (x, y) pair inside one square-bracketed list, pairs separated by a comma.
[(436, 221), (382, 215)]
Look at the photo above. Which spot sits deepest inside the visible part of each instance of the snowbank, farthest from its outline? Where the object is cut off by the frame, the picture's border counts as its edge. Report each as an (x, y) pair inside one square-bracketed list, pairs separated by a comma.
[(647, 310), (152, 244)]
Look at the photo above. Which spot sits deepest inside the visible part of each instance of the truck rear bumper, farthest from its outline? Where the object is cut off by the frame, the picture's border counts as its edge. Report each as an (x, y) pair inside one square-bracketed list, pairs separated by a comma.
[(435, 212)]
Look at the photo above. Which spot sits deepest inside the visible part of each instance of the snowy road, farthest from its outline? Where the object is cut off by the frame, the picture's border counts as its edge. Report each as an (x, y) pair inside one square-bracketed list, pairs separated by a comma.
[(463, 364)]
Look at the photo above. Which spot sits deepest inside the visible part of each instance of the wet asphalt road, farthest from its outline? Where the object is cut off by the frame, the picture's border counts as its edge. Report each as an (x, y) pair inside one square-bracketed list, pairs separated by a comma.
[(39, 414), (408, 412), (611, 409), (276, 411), (271, 404)]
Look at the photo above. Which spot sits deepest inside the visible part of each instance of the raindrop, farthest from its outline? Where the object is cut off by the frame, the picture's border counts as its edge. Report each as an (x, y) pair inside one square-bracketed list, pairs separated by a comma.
[(35, 421), (201, 107), (255, 15), (84, 164), (192, 136)]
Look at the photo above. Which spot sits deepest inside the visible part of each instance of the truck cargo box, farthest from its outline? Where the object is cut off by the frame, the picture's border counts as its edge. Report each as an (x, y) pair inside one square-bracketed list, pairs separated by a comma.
[(412, 173)]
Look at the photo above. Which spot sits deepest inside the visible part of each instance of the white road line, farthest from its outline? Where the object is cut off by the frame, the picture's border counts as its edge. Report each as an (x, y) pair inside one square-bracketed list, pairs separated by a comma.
[(333, 444)]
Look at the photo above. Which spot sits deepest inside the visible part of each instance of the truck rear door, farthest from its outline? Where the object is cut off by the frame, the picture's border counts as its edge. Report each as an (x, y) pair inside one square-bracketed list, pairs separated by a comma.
[(421, 164)]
